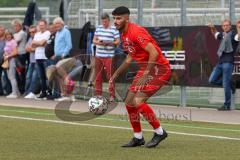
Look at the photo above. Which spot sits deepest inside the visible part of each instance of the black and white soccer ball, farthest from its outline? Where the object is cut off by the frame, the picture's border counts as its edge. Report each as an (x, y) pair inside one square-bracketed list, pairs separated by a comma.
[(98, 105)]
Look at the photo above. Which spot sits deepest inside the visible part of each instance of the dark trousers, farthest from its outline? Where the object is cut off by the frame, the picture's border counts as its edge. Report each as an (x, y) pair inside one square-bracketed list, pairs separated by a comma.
[(6, 85), (21, 62), (41, 65)]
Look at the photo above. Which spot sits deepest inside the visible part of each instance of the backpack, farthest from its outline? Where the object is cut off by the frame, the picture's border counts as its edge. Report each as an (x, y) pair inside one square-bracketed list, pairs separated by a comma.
[(49, 48)]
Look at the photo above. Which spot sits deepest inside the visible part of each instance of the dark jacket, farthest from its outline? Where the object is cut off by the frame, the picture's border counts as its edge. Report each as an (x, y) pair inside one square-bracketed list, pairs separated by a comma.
[(49, 48), (32, 10), (228, 57), (29, 15), (84, 36)]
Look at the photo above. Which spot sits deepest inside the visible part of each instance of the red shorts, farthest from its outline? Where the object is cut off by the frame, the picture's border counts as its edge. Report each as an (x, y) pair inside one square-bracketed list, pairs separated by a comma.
[(159, 76)]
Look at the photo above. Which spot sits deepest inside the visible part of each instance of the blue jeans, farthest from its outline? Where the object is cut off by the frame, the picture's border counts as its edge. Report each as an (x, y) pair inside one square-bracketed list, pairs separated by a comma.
[(32, 79), (222, 76), (5, 85), (41, 65)]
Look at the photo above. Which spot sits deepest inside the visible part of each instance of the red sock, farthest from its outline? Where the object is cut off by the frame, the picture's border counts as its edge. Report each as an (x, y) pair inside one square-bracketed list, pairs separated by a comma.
[(134, 118), (149, 115)]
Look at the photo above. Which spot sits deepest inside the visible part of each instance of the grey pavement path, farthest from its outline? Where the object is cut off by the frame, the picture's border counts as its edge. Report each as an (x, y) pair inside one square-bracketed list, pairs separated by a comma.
[(162, 111)]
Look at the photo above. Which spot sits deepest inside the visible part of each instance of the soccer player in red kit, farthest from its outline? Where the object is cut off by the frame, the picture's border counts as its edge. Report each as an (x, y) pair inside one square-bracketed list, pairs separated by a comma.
[(154, 72)]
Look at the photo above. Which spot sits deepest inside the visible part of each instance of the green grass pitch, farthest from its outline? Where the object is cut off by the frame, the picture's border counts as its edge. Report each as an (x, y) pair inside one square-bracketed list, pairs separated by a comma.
[(36, 134)]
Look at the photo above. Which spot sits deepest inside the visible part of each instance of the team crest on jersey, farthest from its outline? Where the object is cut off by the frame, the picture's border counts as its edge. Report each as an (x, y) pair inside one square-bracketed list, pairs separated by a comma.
[(140, 39), (128, 46)]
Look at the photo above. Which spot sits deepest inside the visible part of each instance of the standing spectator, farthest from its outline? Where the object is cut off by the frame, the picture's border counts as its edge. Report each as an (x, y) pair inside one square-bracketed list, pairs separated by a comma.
[(63, 40), (2, 45), (6, 86), (39, 42), (222, 73), (62, 47), (49, 48), (32, 76), (49, 53), (10, 52), (21, 38), (106, 38)]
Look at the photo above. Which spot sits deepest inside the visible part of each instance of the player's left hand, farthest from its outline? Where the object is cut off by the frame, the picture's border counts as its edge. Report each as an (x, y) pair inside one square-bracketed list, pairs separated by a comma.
[(142, 81)]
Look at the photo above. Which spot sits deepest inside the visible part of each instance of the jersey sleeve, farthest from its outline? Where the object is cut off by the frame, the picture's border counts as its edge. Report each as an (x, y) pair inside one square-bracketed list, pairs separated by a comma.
[(141, 37)]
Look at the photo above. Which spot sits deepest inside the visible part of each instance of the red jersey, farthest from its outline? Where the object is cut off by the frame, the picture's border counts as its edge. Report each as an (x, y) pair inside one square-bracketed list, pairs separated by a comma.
[(135, 40)]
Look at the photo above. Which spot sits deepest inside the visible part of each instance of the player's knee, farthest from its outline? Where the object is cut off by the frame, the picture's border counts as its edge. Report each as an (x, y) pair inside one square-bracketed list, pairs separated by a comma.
[(128, 103), (138, 103), (134, 102)]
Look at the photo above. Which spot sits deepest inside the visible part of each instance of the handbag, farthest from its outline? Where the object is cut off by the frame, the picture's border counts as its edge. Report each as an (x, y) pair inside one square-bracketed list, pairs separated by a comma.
[(5, 64)]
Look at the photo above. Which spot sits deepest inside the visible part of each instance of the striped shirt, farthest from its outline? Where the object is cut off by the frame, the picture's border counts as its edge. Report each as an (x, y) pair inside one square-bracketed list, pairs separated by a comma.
[(106, 35)]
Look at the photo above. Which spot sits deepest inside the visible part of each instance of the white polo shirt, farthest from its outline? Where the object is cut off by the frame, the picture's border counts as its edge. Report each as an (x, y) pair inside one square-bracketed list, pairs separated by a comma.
[(40, 51)]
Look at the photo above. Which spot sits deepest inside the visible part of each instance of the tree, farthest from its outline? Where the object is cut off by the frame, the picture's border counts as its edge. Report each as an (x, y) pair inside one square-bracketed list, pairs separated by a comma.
[(15, 3)]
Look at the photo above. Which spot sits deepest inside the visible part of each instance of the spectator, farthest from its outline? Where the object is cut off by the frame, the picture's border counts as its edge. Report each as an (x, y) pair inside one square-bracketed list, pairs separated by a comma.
[(21, 38), (49, 48), (10, 52), (32, 76), (222, 73), (39, 42), (66, 71), (7, 86), (62, 47), (106, 38), (63, 40), (49, 52)]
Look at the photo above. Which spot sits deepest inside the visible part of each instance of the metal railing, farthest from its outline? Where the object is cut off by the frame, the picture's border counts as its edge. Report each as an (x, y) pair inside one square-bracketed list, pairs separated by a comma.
[(164, 16), (7, 14)]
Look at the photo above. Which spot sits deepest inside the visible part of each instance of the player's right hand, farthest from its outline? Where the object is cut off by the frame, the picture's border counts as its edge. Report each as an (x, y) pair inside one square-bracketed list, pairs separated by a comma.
[(112, 79)]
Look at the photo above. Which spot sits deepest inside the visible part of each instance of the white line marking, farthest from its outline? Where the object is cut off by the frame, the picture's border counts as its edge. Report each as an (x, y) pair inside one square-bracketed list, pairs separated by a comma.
[(115, 127), (125, 119)]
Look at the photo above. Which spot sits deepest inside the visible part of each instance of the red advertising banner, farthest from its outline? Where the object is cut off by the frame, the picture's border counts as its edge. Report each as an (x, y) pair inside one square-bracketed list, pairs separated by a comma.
[(191, 50)]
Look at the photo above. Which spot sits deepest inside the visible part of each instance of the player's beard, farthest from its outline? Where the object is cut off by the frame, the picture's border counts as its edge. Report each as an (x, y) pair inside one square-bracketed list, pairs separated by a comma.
[(121, 26)]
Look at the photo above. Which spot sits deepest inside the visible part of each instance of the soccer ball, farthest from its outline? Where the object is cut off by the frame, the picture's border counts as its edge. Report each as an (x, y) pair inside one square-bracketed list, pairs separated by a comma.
[(98, 105)]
